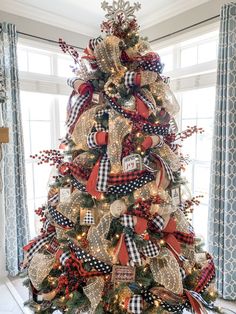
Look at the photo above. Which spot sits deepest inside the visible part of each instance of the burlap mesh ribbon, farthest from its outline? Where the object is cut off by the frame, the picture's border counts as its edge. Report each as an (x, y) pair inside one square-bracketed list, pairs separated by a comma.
[(39, 269), (97, 241), (166, 272), (93, 292)]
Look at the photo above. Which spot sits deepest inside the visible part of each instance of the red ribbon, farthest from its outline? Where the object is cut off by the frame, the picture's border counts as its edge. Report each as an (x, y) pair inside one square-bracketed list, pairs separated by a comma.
[(196, 306), (121, 249), (170, 238), (141, 108), (92, 181), (101, 138), (147, 143)]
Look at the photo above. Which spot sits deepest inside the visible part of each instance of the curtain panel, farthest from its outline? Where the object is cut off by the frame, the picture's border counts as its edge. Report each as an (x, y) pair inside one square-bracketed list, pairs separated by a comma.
[(222, 212), (14, 187)]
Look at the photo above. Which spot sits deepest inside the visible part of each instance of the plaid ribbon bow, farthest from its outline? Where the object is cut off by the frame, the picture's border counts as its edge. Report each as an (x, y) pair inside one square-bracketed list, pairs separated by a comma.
[(36, 244), (133, 253), (83, 100)]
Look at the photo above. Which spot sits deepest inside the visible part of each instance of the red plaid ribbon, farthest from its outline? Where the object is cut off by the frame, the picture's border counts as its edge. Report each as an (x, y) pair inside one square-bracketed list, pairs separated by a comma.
[(205, 276), (77, 171), (187, 238), (122, 178)]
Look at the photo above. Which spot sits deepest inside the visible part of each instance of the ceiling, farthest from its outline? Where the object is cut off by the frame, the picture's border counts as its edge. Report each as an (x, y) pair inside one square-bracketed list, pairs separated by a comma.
[(85, 16)]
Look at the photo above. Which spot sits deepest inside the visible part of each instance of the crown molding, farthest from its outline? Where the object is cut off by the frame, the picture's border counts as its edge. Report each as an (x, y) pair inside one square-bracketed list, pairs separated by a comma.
[(19, 8), (44, 16)]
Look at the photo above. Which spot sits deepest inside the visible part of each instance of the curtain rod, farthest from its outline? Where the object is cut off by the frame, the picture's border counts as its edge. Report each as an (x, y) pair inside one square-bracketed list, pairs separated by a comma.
[(186, 28), (151, 41), (46, 39)]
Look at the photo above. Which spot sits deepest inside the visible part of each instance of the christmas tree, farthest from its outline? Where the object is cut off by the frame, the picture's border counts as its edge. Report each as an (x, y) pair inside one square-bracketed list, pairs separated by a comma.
[(116, 236)]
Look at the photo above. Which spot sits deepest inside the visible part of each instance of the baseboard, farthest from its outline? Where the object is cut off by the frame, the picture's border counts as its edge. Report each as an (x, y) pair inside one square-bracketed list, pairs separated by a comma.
[(16, 296)]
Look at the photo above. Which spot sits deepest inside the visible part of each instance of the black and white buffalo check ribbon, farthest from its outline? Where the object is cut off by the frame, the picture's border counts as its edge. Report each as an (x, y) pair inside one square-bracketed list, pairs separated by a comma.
[(198, 297), (151, 250), (65, 140), (135, 305), (91, 140), (134, 255), (71, 81), (94, 42), (60, 219), (38, 244), (130, 79), (167, 167), (147, 102), (103, 173), (93, 262), (79, 103), (158, 222)]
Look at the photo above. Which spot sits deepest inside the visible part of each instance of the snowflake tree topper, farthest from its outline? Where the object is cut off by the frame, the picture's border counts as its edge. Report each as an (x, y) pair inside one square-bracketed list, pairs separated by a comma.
[(120, 8)]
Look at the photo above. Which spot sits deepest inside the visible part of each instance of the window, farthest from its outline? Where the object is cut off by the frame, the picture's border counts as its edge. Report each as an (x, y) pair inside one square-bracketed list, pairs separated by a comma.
[(193, 73), (44, 95)]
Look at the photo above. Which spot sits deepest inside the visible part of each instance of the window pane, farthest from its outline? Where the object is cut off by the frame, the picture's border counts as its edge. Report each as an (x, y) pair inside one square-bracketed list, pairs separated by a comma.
[(207, 52), (201, 186), (168, 62), (22, 60), (204, 140), (36, 106), (64, 67), (200, 218), (62, 107), (205, 99), (41, 177), (40, 136), (39, 63), (188, 56), (189, 105)]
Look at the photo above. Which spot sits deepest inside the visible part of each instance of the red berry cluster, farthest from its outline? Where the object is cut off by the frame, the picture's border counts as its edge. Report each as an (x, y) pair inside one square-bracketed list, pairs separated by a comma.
[(142, 207), (49, 155), (70, 280)]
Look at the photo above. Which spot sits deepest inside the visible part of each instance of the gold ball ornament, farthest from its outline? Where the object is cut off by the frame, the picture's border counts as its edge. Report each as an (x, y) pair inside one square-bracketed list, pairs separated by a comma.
[(118, 208)]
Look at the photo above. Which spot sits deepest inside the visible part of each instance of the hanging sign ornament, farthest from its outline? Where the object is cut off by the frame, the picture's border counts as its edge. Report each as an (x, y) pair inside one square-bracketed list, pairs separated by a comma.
[(120, 9)]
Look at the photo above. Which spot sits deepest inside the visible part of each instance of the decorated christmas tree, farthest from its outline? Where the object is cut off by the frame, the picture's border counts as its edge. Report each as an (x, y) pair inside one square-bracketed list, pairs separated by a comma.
[(116, 235)]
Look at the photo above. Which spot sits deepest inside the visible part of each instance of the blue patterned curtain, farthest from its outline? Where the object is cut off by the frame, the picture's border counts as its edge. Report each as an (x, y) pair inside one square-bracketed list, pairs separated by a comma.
[(222, 223), (14, 188)]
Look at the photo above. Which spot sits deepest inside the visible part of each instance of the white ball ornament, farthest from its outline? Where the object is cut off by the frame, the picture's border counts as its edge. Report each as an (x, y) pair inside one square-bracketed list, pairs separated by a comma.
[(118, 208)]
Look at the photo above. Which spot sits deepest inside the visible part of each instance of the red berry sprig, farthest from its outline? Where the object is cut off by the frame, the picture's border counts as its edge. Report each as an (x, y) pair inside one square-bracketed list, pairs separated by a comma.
[(69, 49), (52, 156), (188, 132)]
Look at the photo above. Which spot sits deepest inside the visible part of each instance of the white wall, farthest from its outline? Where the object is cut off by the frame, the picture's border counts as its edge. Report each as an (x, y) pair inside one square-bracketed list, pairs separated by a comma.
[(44, 30), (190, 17)]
